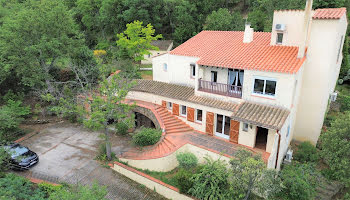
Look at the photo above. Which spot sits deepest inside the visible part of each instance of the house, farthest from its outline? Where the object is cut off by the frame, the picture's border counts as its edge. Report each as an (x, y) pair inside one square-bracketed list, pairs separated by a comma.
[(164, 46), (254, 89)]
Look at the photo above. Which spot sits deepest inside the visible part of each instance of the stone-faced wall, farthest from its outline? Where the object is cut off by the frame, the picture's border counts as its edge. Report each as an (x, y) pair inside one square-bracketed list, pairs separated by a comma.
[(149, 114)]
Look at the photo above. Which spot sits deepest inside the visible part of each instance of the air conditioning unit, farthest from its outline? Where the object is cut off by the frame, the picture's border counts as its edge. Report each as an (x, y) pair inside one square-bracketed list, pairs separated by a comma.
[(280, 27), (334, 96), (289, 156)]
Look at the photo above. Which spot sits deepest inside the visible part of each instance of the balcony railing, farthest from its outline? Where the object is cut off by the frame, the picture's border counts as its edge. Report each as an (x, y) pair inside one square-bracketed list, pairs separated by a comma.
[(220, 88)]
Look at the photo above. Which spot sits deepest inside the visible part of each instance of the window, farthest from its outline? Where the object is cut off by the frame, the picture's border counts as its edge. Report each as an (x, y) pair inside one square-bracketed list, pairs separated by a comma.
[(288, 131), (199, 115), (279, 38), (265, 87), (169, 105), (149, 55), (193, 70), (214, 76), (165, 67), (245, 127), (339, 50), (183, 110)]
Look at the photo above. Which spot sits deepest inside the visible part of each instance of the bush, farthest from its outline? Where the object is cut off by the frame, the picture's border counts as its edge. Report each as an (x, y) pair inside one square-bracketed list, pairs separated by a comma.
[(306, 152), (183, 179), (13, 186), (48, 188), (344, 102), (80, 192), (122, 128), (147, 136), (11, 115), (211, 182), (187, 160), (298, 182)]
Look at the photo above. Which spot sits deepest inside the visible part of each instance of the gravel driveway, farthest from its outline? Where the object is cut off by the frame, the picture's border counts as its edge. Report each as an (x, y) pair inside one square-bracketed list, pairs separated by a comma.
[(67, 153)]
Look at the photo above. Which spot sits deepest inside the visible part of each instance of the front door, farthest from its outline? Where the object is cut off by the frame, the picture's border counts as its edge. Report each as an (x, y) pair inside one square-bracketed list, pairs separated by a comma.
[(222, 126), (235, 79)]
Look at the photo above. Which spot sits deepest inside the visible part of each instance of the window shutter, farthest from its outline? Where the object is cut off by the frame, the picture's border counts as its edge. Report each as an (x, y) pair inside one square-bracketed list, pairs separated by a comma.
[(190, 114), (164, 104), (209, 128), (175, 109), (234, 131)]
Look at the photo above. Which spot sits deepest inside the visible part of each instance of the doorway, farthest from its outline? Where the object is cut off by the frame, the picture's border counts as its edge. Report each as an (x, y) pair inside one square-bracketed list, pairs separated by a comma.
[(222, 126), (235, 78), (261, 138), (143, 121)]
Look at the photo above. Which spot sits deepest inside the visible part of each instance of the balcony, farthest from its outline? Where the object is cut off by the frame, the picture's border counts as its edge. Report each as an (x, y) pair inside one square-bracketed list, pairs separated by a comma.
[(220, 88)]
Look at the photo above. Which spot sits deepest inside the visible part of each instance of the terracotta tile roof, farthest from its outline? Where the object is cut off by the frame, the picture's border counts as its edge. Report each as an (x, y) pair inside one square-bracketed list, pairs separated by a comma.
[(329, 13), (267, 116), (263, 115), (226, 49)]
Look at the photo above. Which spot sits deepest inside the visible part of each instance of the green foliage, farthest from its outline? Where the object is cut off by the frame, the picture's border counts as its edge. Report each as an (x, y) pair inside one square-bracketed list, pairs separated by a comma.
[(344, 74), (183, 178), (16, 187), (147, 136), (48, 188), (298, 182), (122, 128), (344, 102), (249, 173), (211, 182), (11, 115), (259, 20), (223, 20), (136, 40), (79, 192), (33, 39), (336, 147), (187, 160), (306, 152), (4, 161)]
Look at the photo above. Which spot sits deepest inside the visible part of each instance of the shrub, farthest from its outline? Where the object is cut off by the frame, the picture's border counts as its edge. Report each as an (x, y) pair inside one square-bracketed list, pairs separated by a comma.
[(147, 136), (183, 179), (122, 128), (48, 188), (306, 152), (187, 160), (298, 182), (344, 102), (211, 182)]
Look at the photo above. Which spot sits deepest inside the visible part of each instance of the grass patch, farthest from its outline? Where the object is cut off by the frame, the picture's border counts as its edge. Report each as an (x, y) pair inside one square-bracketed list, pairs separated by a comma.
[(166, 177)]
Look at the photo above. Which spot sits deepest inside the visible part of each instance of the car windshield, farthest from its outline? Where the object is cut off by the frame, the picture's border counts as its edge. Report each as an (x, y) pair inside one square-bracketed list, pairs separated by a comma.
[(17, 150)]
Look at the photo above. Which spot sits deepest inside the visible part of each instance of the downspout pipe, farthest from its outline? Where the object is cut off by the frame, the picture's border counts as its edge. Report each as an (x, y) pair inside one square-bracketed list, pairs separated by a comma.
[(278, 148)]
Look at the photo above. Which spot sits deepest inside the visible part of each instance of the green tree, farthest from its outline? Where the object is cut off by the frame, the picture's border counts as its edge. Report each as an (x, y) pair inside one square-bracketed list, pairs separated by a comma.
[(259, 20), (336, 147), (223, 20), (136, 40), (249, 173), (107, 105), (211, 181), (11, 115), (299, 181), (34, 39)]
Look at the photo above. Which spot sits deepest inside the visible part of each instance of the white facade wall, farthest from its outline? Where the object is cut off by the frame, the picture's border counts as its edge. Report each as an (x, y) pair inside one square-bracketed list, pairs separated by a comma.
[(179, 69), (320, 75), (148, 58), (294, 21)]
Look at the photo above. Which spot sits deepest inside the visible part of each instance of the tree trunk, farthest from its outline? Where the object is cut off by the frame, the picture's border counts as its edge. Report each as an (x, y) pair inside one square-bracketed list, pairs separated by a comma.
[(250, 186), (108, 144)]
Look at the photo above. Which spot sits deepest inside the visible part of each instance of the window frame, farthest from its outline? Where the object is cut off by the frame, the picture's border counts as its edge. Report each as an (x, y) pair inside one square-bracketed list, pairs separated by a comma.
[(165, 67), (264, 88), (169, 105), (212, 78), (185, 110), (199, 121), (245, 129), (277, 42), (193, 70)]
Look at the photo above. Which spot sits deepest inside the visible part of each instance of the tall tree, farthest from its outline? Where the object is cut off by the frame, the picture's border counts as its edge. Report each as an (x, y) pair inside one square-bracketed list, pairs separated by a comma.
[(223, 20), (136, 40), (33, 39), (107, 105)]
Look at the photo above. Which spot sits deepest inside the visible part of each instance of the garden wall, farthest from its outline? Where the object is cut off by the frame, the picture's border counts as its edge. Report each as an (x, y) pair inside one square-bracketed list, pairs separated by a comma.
[(158, 186), (168, 163)]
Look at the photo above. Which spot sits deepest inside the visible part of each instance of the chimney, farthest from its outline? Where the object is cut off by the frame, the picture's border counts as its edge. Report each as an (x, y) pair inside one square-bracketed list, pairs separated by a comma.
[(248, 34), (306, 28)]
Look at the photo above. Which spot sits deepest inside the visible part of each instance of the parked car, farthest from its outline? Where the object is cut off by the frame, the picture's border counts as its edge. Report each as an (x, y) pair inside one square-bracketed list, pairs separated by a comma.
[(22, 158)]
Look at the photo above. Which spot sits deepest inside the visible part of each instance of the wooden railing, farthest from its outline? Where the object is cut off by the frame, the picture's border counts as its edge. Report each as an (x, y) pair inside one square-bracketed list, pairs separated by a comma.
[(220, 88)]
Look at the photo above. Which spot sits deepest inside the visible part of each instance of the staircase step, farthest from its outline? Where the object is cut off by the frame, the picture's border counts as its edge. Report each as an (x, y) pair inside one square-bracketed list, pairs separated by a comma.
[(177, 125), (178, 131)]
